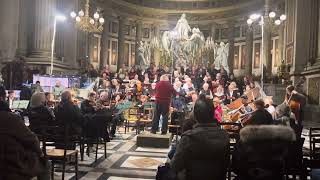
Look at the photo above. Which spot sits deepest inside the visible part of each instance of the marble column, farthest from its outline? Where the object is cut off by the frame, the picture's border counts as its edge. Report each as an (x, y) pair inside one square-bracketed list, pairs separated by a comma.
[(314, 24), (23, 28), (9, 19), (104, 44), (138, 39), (43, 28), (249, 49), (121, 41), (213, 31), (157, 54), (231, 45), (267, 43), (281, 42)]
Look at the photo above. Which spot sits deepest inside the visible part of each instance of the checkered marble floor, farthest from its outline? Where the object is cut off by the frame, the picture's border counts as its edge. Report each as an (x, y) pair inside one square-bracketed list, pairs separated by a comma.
[(125, 161)]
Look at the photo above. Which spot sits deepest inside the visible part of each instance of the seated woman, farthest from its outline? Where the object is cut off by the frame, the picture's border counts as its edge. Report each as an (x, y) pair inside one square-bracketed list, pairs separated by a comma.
[(206, 91), (39, 114), (202, 153)]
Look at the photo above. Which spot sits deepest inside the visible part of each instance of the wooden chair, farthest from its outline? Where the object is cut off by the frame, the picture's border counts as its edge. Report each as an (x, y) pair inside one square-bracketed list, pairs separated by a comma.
[(131, 118), (314, 143), (98, 134), (64, 153)]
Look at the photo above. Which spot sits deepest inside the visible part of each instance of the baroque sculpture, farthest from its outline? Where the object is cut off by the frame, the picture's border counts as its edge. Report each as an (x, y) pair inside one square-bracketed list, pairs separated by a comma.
[(221, 54), (144, 53)]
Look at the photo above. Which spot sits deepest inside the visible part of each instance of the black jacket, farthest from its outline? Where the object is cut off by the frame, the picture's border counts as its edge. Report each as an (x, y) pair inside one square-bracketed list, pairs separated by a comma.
[(69, 115), (39, 117), (261, 117), (203, 153)]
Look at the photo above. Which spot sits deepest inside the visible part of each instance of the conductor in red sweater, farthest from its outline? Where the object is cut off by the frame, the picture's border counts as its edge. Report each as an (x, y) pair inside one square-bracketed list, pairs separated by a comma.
[(164, 92)]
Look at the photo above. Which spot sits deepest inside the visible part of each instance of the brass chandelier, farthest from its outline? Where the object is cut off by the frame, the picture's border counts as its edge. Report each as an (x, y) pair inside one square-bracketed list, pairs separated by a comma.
[(86, 23)]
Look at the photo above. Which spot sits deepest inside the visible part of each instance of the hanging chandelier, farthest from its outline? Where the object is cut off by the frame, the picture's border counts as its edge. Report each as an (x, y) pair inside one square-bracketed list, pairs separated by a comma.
[(86, 23)]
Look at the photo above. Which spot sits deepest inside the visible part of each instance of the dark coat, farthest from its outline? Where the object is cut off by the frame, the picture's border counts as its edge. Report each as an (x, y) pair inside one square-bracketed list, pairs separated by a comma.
[(69, 115), (203, 153), (261, 117), (39, 117), (261, 152), (20, 153)]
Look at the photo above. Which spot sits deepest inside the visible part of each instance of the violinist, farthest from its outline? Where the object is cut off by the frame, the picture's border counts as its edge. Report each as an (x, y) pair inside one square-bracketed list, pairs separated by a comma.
[(232, 93), (117, 88), (260, 116), (50, 101), (117, 114), (88, 106), (103, 103)]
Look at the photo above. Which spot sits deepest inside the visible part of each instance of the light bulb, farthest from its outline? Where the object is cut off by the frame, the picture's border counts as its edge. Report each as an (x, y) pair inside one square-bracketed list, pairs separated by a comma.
[(91, 21), (78, 19), (81, 13), (96, 15), (73, 14), (272, 14), (249, 21), (101, 20), (277, 22), (255, 16), (283, 17)]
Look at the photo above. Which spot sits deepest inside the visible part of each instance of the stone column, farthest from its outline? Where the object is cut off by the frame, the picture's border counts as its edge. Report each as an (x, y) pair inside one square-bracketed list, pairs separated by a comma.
[(213, 32), (281, 45), (104, 44), (267, 43), (249, 46), (23, 28), (231, 46), (121, 41), (138, 38), (43, 28), (157, 54)]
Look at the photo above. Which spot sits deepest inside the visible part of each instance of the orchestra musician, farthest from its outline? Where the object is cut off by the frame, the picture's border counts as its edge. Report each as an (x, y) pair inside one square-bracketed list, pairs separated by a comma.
[(103, 103), (217, 109), (295, 101), (117, 88), (206, 91), (232, 93), (260, 116), (88, 106), (189, 89), (117, 114), (50, 101)]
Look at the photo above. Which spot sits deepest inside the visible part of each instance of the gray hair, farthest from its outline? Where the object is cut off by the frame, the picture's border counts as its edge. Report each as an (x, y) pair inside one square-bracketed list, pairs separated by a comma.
[(37, 99)]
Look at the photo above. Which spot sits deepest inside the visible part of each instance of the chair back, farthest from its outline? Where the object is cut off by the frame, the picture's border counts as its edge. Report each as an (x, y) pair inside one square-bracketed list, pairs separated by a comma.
[(314, 143)]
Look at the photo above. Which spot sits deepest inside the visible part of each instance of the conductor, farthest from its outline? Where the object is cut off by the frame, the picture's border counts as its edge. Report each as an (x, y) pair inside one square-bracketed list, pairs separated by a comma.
[(164, 92)]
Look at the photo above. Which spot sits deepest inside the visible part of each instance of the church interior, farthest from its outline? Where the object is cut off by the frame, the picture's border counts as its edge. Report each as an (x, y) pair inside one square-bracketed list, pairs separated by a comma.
[(269, 49)]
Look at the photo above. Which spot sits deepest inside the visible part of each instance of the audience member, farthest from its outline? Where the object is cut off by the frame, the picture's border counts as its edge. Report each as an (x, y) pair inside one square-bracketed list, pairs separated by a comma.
[(202, 153), (20, 153)]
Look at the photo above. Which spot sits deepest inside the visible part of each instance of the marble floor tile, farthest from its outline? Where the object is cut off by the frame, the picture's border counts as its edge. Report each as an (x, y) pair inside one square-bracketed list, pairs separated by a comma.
[(141, 162)]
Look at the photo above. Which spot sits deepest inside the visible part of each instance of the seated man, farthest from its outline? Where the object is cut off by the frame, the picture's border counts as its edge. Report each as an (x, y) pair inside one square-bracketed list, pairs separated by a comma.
[(20, 153), (88, 106), (260, 116), (39, 115), (69, 115), (202, 153)]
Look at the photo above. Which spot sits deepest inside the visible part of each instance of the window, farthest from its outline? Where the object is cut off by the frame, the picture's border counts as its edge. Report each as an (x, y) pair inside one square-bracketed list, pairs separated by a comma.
[(243, 56), (127, 30), (236, 57), (133, 54), (95, 50), (224, 33), (277, 60), (257, 49), (237, 31), (126, 54), (146, 33), (114, 27), (217, 34), (114, 54), (110, 26)]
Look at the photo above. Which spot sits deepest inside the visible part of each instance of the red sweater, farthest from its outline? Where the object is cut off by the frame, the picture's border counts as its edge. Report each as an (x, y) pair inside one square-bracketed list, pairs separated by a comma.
[(164, 91)]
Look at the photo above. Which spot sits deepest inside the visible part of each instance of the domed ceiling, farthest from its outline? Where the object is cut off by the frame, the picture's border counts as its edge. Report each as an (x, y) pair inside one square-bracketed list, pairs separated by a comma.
[(185, 4), (170, 10)]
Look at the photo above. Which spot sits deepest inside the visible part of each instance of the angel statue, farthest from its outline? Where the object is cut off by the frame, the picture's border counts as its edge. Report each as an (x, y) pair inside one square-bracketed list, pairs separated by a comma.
[(143, 53), (182, 28), (221, 56), (195, 43)]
